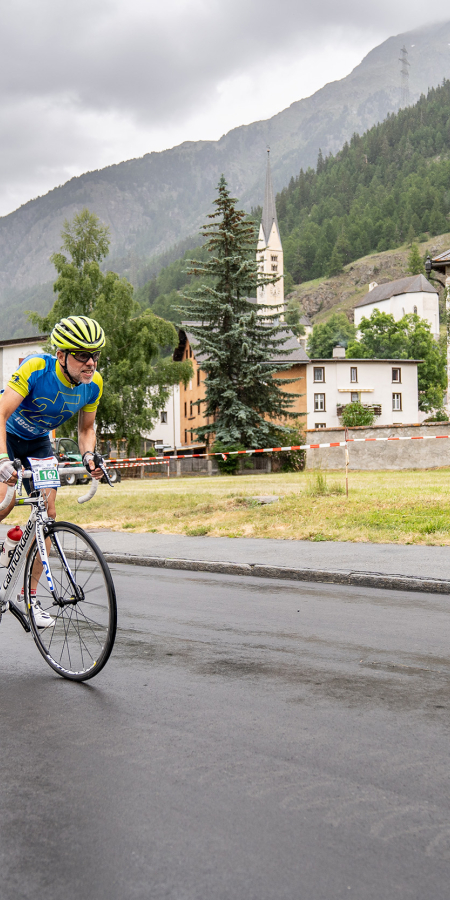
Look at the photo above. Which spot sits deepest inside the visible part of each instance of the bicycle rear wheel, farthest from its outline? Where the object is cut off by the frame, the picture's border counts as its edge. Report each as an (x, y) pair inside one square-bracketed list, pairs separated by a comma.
[(79, 641)]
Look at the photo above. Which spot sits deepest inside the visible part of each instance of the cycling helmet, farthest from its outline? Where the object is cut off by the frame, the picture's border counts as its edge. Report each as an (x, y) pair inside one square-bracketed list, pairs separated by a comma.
[(78, 333)]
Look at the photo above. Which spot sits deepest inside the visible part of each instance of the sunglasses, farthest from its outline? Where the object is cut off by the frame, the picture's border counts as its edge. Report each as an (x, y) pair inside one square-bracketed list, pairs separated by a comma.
[(83, 357)]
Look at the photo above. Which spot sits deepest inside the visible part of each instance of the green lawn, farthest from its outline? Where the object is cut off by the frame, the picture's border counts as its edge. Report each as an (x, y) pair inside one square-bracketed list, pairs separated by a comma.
[(401, 507)]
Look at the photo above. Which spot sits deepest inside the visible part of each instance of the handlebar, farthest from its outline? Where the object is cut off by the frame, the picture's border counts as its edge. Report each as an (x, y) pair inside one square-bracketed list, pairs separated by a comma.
[(27, 473)]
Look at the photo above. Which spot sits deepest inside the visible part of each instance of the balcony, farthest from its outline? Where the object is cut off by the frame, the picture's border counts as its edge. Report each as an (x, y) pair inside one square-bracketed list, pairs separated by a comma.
[(374, 407)]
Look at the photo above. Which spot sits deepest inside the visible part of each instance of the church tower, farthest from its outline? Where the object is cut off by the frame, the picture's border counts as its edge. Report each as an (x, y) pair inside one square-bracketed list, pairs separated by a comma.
[(270, 252)]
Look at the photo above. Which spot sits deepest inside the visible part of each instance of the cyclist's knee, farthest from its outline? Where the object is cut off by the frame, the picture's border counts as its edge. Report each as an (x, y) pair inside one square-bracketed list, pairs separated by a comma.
[(5, 512), (51, 504)]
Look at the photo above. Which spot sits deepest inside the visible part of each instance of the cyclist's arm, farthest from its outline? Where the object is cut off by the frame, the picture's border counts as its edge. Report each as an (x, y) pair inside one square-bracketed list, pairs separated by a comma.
[(9, 401), (87, 437)]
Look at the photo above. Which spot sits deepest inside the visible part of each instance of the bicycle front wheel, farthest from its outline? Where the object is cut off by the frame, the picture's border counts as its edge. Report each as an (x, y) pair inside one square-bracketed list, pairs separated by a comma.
[(77, 640)]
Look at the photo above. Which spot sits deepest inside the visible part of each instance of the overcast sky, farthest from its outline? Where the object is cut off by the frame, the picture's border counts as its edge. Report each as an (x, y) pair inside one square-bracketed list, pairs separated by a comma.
[(93, 82)]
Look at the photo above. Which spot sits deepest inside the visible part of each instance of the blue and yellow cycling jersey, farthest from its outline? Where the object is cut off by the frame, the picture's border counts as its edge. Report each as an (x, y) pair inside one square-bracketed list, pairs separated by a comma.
[(48, 397)]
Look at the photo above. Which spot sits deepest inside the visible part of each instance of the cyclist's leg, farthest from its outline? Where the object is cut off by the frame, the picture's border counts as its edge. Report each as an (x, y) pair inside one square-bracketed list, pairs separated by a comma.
[(38, 448), (5, 512)]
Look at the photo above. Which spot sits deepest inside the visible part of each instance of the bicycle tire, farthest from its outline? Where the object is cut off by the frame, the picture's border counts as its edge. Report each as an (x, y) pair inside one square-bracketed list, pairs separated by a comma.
[(81, 639)]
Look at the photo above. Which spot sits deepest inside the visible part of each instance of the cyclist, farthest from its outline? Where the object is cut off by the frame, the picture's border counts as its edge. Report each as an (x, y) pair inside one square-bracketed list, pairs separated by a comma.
[(43, 393)]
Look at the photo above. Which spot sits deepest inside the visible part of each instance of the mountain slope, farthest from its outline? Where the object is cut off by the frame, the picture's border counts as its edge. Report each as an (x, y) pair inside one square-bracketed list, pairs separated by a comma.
[(320, 298), (153, 202)]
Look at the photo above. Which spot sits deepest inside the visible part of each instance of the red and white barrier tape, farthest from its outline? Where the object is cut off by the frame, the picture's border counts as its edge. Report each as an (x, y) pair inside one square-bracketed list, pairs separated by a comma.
[(132, 462)]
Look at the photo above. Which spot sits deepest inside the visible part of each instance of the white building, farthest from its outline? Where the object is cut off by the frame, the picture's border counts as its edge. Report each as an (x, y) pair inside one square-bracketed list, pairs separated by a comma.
[(12, 353), (406, 295), (389, 385), (270, 251), (165, 434)]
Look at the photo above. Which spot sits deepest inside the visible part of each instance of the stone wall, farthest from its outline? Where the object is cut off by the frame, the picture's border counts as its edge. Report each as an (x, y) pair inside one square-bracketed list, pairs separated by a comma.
[(412, 454)]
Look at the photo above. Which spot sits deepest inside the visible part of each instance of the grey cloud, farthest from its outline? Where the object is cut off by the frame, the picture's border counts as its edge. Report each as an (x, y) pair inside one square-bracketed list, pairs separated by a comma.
[(78, 77), (148, 60)]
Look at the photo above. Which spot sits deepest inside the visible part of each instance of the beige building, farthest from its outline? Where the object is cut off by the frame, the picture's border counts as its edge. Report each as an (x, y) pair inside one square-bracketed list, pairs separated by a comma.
[(192, 397)]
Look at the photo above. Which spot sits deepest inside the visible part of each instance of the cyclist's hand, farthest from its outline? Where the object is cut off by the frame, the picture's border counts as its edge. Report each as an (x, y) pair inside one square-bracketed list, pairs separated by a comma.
[(91, 463), (8, 473)]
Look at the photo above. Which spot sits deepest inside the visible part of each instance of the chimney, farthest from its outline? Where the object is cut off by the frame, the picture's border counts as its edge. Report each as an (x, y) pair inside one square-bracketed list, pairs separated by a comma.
[(372, 285), (338, 352)]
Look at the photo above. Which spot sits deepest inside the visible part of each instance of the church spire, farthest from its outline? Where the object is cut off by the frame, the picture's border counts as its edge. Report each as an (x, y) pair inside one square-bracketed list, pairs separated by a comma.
[(269, 215), (270, 251)]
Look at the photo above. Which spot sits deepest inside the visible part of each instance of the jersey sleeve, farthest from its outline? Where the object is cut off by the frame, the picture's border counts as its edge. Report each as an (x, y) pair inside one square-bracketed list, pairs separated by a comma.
[(97, 391), (21, 380)]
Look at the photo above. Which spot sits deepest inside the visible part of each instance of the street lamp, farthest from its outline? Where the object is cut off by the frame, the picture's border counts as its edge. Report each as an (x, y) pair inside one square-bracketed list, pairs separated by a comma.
[(428, 268)]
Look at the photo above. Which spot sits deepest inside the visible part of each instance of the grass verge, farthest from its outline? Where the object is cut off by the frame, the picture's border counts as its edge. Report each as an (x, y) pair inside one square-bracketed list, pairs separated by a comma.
[(400, 507)]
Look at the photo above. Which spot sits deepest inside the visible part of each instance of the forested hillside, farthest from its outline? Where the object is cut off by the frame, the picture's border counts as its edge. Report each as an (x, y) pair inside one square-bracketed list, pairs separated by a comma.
[(390, 185), (386, 188)]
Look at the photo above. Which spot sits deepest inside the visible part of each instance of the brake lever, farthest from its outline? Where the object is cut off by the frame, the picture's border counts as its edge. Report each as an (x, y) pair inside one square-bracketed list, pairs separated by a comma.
[(99, 464), (19, 469)]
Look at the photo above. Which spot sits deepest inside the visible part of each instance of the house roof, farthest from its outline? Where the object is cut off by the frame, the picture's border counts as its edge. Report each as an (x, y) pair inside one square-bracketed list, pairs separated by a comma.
[(365, 359), (37, 339), (440, 261), (305, 321), (414, 284), (296, 352)]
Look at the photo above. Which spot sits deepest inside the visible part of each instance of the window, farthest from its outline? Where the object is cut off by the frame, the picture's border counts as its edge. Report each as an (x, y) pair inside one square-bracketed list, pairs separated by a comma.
[(163, 416), (415, 310), (319, 402), (198, 377), (319, 373), (353, 374), (274, 258), (397, 375), (190, 352), (320, 425), (190, 409), (185, 409), (354, 397), (396, 401), (274, 267), (185, 436)]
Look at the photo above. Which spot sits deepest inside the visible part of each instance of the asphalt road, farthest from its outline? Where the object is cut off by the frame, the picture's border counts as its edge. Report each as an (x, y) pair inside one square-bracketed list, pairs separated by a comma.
[(248, 740)]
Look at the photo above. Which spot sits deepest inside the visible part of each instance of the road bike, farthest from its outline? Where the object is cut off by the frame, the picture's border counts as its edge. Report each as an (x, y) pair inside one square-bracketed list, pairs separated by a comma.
[(72, 581)]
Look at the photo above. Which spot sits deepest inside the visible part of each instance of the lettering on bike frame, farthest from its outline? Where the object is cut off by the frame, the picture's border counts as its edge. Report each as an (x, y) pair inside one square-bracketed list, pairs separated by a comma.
[(29, 528), (43, 554)]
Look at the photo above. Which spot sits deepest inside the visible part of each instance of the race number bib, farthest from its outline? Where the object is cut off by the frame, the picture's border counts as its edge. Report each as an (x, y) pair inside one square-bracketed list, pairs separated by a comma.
[(45, 472)]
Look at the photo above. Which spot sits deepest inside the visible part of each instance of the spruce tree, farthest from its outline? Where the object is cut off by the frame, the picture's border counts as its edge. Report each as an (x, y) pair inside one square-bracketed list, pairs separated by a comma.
[(415, 261), (236, 339)]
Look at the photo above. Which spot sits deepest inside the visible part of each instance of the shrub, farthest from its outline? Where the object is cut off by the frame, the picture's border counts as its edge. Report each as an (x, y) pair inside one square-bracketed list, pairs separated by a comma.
[(355, 414), (230, 465)]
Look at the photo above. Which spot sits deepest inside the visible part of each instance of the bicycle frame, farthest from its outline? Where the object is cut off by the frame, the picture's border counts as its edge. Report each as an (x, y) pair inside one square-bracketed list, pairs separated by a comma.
[(34, 527)]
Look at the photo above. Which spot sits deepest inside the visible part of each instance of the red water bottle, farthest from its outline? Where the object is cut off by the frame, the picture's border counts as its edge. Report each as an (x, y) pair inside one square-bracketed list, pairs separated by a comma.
[(12, 539)]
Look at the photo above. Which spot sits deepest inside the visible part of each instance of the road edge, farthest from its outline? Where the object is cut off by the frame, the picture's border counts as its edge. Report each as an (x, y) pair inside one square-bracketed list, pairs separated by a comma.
[(255, 570)]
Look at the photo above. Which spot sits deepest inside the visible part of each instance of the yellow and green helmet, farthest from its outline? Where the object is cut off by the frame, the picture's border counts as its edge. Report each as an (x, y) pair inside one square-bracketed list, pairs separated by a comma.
[(78, 333)]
